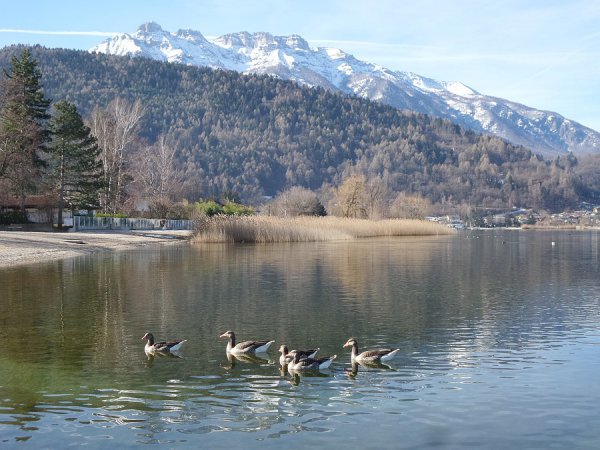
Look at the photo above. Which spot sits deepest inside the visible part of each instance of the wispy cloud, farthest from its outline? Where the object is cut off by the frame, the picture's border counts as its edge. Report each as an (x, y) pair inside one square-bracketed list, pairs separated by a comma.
[(59, 33), (371, 44), (579, 53), (392, 52)]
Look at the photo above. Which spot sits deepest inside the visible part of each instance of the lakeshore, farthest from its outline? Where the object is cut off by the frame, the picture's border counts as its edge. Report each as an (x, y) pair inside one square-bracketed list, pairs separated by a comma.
[(20, 247)]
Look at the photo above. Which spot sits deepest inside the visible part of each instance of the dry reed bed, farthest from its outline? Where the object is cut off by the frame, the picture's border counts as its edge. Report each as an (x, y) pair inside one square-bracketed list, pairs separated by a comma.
[(267, 229)]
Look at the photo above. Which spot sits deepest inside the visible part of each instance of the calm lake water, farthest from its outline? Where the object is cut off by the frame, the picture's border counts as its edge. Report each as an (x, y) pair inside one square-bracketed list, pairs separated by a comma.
[(499, 337)]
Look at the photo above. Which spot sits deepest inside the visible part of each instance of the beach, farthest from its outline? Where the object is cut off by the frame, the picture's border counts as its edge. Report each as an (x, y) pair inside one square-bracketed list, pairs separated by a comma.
[(19, 247)]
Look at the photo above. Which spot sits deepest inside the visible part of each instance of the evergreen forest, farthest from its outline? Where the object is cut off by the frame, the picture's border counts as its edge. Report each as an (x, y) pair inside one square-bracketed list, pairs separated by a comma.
[(251, 136)]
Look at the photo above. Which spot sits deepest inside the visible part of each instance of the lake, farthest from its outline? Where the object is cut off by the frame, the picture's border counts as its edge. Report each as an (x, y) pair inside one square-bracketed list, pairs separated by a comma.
[(498, 331)]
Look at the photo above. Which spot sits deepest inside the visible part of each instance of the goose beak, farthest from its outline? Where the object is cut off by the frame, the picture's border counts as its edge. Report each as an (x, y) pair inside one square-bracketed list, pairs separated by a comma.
[(144, 337), (223, 335), (347, 344)]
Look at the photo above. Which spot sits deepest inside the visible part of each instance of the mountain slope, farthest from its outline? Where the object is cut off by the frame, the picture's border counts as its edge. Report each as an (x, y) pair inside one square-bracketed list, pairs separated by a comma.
[(252, 136), (291, 58)]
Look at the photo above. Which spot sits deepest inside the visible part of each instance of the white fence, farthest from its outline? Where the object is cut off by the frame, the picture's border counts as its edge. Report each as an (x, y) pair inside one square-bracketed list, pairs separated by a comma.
[(113, 223)]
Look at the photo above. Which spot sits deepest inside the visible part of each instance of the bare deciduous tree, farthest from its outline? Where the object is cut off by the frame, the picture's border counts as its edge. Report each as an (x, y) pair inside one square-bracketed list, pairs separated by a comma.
[(376, 192), (297, 201), (155, 173), (115, 128), (410, 206), (350, 198)]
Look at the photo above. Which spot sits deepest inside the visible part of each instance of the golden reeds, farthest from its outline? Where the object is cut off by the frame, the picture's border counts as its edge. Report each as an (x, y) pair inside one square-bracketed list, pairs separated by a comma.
[(268, 229)]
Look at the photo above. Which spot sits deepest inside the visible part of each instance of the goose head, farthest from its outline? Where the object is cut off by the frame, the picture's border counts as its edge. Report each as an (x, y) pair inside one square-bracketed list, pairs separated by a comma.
[(350, 343), (148, 336), (228, 334), (283, 349)]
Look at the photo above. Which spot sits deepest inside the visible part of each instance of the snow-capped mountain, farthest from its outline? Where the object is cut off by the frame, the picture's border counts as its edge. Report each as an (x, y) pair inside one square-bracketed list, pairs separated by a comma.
[(291, 58)]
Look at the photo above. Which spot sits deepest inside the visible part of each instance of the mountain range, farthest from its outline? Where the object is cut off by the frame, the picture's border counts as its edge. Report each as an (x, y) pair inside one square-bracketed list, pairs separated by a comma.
[(291, 58)]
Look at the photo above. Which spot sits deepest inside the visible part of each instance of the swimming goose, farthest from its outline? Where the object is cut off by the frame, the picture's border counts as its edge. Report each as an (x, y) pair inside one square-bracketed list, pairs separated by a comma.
[(160, 347), (287, 356), (370, 356), (246, 346), (299, 364)]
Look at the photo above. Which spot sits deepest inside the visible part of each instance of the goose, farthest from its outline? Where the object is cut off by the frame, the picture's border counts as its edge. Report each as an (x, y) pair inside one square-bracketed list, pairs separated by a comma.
[(287, 356), (160, 347), (246, 346), (370, 356), (299, 364)]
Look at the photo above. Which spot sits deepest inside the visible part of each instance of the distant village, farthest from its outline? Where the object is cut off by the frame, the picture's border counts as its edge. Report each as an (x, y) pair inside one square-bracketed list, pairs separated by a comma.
[(588, 216)]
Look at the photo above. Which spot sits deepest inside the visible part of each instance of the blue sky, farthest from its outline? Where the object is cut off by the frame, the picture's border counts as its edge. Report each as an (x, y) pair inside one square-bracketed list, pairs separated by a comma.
[(542, 53)]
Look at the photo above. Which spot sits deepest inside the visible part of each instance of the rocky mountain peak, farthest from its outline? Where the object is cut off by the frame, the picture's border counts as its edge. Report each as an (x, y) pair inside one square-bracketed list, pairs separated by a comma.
[(291, 57)]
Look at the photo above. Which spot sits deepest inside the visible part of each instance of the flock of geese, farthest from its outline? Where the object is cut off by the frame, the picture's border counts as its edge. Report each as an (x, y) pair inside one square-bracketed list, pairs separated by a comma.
[(293, 360)]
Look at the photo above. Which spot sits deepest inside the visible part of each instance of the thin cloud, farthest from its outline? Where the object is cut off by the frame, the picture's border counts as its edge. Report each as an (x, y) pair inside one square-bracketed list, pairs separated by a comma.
[(371, 44), (580, 51), (59, 33), (407, 53)]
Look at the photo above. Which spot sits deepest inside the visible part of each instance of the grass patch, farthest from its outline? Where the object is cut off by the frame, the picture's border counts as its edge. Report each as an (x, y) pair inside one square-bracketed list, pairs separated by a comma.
[(268, 229)]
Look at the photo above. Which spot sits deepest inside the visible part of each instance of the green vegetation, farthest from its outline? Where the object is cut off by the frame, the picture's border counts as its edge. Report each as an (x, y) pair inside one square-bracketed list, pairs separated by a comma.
[(212, 208), (23, 127), (55, 155), (209, 207), (75, 170), (236, 209)]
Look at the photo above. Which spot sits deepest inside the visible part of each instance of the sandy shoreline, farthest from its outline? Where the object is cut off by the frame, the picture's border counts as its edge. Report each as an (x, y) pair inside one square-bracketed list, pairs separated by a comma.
[(18, 247)]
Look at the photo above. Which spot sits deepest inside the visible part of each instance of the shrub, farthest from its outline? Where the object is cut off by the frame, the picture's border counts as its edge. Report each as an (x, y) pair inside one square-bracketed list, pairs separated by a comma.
[(235, 209), (208, 207), (10, 217)]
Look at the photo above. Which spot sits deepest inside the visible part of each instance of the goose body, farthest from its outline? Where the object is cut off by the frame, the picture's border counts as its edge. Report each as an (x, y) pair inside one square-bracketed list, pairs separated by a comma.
[(370, 356), (161, 347), (300, 364), (287, 356), (246, 346)]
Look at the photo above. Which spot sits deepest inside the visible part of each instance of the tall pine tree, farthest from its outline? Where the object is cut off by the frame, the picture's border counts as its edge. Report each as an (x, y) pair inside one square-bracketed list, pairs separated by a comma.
[(23, 126), (75, 168)]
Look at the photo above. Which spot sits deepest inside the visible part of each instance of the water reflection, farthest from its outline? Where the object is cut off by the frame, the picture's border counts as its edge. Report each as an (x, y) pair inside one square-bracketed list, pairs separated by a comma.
[(160, 355), (488, 325), (296, 376), (256, 358), (353, 370)]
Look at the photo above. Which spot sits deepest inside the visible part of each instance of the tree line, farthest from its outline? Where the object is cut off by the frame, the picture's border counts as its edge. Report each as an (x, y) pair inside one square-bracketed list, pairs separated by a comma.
[(176, 132)]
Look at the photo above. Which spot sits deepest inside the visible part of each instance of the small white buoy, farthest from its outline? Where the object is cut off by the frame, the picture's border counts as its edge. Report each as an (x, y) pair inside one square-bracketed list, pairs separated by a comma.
[(553, 243)]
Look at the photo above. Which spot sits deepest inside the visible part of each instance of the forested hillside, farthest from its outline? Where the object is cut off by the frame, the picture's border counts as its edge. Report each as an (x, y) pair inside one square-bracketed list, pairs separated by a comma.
[(258, 135)]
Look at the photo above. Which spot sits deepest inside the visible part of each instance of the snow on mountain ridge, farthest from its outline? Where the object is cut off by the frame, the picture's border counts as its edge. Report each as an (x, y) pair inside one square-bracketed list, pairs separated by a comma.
[(291, 57)]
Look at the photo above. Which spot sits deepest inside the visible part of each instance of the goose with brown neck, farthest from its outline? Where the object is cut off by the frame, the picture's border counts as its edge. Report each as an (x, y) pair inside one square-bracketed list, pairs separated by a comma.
[(288, 355), (246, 346), (161, 347), (370, 356)]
